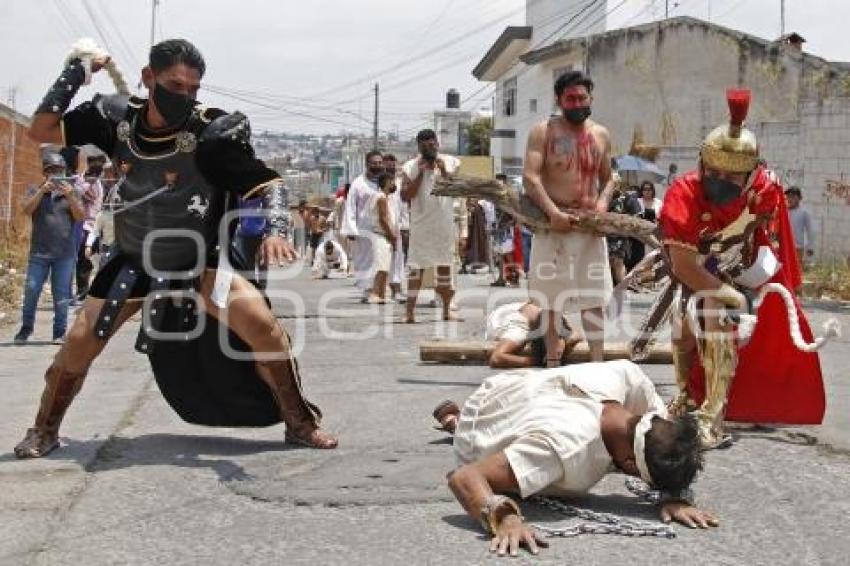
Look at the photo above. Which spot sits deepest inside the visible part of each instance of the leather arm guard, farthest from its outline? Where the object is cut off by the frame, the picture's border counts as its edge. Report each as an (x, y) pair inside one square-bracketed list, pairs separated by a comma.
[(59, 97), (275, 205)]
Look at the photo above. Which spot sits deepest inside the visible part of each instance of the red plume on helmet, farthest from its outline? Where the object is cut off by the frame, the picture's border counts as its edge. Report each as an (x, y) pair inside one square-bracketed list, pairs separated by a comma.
[(739, 104)]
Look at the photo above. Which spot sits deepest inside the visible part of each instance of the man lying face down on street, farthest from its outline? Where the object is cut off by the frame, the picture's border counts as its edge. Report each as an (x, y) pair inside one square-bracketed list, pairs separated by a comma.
[(559, 431), (520, 342)]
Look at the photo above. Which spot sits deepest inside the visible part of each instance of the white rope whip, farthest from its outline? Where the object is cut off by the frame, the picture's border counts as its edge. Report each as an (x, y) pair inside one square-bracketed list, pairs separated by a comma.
[(85, 49)]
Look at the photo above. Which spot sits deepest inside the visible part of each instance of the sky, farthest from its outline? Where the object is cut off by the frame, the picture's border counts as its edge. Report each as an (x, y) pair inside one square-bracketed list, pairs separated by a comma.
[(310, 66)]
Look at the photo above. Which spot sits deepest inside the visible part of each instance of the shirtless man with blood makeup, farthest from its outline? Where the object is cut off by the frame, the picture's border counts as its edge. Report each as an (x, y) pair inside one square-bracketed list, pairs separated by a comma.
[(568, 165)]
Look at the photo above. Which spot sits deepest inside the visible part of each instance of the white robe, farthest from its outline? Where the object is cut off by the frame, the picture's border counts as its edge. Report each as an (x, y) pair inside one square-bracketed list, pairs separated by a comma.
[(323, 262), (357, 222), (433, 234), (399, 210)]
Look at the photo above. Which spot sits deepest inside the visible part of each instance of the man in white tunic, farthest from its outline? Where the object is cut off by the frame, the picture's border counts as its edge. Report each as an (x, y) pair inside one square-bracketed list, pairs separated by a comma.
[(329, 256), (515, 328), (560, 430), (432, 228), (357, 222)]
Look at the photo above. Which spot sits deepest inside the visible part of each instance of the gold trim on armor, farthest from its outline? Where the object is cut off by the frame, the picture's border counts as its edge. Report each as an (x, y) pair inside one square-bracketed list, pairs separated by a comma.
[(728, 161), (162, 139), (678, 244), (260, 187)]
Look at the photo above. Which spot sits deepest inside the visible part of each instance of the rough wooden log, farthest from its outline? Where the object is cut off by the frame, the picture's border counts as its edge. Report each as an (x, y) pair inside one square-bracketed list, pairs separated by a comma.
[(478, 352), (523, 209)]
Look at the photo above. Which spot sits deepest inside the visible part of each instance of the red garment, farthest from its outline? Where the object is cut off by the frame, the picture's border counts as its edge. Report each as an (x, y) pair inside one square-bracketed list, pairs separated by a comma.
[(518, 259), (774, 381)]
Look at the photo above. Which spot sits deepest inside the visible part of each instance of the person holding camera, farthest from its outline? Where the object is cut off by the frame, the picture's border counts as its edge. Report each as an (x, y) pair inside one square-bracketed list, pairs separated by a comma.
[(55, 208), (432, 228)]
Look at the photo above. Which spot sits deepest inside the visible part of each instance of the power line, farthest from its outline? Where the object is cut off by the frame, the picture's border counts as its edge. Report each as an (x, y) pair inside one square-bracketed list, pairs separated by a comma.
[(538, 45), (605, 15), (439, 48)]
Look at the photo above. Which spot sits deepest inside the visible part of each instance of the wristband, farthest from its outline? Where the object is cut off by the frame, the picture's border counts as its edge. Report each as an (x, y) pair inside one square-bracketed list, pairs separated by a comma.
[(59, 97)]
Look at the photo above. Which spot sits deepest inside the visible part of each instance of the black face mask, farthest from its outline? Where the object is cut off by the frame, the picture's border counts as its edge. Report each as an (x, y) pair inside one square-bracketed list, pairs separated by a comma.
[(174, 107), (577, 116), (375, 171), (94, 171), (429, 154), (720, 191)]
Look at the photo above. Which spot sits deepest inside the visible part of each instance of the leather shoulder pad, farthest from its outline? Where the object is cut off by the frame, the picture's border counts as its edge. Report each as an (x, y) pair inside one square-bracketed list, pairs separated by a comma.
[(115, 107), (227, 127)]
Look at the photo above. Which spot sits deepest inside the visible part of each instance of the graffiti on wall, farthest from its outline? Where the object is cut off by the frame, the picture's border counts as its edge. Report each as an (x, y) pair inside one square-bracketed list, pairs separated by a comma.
[(839, 189)]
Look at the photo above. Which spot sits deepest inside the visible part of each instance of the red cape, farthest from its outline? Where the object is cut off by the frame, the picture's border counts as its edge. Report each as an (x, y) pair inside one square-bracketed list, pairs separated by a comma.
[(774, 381)]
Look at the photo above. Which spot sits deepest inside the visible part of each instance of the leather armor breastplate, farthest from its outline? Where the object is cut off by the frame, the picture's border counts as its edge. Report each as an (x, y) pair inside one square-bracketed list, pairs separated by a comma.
[(190, 205)]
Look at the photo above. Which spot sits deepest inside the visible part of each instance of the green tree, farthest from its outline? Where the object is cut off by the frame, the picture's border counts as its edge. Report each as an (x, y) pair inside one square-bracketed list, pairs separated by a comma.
[(478, 136)]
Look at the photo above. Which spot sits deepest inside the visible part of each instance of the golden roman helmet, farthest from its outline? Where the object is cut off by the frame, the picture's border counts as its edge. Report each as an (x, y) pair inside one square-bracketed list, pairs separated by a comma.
[(731, 147)]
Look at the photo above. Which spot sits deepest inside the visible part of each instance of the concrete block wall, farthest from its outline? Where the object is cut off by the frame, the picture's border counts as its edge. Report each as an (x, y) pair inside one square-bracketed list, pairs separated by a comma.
[(825, 147)]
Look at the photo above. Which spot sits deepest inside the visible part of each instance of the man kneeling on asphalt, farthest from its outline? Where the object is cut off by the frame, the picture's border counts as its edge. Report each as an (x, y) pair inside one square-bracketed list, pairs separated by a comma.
[(560, 430), (515, 327)]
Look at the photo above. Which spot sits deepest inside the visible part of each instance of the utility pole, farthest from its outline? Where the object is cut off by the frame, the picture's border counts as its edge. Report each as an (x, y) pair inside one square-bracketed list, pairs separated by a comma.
[(375, 123), (154, 4), (781, 18), (666, 9)]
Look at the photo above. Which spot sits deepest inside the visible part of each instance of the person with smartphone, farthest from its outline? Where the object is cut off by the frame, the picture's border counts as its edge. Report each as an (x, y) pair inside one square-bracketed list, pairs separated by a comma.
[(55, 208)]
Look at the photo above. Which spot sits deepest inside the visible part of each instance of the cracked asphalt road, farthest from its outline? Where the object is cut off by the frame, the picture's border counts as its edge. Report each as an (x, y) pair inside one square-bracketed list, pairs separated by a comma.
[(134, 485)]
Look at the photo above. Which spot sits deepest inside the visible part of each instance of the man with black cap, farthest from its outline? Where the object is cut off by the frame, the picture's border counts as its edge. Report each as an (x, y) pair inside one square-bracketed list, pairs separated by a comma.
[(55, 208)]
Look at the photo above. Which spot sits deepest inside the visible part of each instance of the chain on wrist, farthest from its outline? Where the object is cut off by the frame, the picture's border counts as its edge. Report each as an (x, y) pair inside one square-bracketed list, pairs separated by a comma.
[(681, 496), (494, 511)]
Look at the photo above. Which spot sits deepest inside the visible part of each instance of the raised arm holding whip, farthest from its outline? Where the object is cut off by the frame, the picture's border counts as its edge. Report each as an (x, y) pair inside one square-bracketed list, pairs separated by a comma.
[(181, 163)]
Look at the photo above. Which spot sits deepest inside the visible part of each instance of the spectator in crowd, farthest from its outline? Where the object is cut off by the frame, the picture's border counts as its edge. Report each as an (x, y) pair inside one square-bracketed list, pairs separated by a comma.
[(801, 225), (384, 236), (619, 247), (433, 234), (55, 208), (92, 197), (401, 214), (357, 222), (649, 208)]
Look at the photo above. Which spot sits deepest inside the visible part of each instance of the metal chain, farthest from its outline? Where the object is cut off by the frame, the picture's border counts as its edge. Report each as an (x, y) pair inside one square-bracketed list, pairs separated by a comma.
[(605, 523)]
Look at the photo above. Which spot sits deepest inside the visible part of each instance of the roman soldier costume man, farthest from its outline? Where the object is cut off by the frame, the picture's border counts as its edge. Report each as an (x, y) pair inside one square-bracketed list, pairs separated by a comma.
[(182, 164), (726, 232)]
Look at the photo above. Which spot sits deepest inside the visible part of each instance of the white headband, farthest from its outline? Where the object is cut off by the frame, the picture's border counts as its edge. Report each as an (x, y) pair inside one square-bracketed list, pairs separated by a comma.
[(642, 427)]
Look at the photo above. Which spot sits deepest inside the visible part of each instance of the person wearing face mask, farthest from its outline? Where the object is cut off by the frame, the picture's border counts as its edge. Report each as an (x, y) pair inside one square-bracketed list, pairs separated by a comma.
[(568, 165), (433, 234), (357, 222), (730, 198), (93, 202), (182, 166)]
